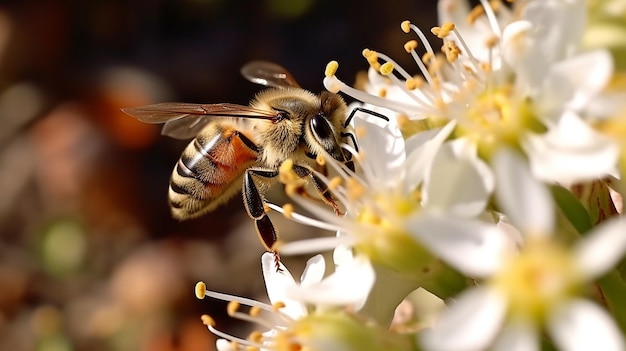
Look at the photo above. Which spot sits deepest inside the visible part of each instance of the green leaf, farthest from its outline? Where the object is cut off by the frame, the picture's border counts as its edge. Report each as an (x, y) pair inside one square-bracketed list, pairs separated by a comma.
[(571, 207)]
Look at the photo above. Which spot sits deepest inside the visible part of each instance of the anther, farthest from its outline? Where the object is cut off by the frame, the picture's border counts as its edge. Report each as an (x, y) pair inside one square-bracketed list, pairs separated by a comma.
[(207, 320), (200, 290), (475, 14), (427, 57), (278, 305), (372, 58), (254, 311), (334, 183), (410, 84), (444, 30), (406, 26), (232, 308), (256, 337), (386, 68), (288, 210), (382, 92), (286, 173), (452, 51), (410, 46), (331, 68), (492, 41), (355, 189), (320, 160)]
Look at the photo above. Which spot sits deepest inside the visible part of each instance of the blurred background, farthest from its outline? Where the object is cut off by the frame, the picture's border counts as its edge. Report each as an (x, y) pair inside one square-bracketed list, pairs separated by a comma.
[(89, 256)]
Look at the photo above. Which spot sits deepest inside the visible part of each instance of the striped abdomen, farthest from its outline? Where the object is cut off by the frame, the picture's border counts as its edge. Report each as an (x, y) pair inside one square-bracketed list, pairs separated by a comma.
[(210, 170)]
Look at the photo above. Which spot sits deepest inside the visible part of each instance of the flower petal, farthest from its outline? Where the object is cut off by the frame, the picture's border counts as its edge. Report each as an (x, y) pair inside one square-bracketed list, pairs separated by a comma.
[(277, 281), (600, 250), (580, 325), (526, 202), (423, 148), (471, 323), (472, 247), (314, 271), (572, 83), (559, 27), (342, 254), (571, 152), (349, 285), (382, 150), (517, 336), (224, 345), (459, 183)]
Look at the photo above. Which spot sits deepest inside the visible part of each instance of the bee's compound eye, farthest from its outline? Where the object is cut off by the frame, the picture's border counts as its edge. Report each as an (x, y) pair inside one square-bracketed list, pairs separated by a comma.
[(320, 127)]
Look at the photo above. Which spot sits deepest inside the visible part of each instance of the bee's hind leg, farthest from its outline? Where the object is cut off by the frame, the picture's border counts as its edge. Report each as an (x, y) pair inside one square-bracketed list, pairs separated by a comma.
[(255, 206)]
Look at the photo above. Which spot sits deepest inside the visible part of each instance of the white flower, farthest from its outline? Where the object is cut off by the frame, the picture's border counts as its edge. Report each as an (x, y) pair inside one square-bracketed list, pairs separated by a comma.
[(349, 285), (403, 207), (298, 320), (538, 287), (518, 88)]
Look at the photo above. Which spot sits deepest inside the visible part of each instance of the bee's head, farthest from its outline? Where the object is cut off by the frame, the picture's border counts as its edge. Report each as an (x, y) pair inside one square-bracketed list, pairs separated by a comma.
[(324, 128)]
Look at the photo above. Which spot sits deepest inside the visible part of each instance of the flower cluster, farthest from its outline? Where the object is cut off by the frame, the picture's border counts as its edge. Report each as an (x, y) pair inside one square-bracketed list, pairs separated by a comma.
[(485, 210)]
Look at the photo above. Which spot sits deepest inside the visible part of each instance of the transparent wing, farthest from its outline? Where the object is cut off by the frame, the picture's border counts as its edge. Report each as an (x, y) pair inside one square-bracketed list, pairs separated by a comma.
[(268, 74), (185, 120)]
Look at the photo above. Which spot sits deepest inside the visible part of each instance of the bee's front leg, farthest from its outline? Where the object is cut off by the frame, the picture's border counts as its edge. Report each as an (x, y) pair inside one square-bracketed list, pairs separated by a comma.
[(255, 206), (320, 186)]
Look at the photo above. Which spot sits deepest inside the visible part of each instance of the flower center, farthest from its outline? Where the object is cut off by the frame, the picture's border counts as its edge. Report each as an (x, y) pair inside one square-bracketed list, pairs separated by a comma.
[(384, 237), (493, 119), (542, 275)]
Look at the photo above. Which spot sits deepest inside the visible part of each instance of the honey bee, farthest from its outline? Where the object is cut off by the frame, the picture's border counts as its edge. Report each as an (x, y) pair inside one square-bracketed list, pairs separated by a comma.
[(237, 146)]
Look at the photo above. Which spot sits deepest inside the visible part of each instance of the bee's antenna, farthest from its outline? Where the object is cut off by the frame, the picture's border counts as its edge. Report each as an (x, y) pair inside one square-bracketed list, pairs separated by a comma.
[(364, 110)]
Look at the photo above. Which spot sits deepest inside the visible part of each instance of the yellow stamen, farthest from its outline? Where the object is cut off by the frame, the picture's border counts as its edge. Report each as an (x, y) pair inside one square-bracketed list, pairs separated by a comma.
[(372, 58), (410, 46), (406, 26), (256, 337), (475, 14), (288, 210), (285, 172), (386, 68), (382, 92), (419, 81), (320, 160), (278, 305), (443, 31), (331, 68), (495, 5), (355, 189), (291, 189), (254, 311), (492, 41), (207, 320), (410, 84), (452, 51), (427, 57), (200, 290), (232, 307), (334, 183)]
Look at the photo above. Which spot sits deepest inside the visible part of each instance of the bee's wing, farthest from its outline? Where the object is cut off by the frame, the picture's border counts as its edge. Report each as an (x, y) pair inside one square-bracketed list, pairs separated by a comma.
[(268, 74), (185, 120)]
